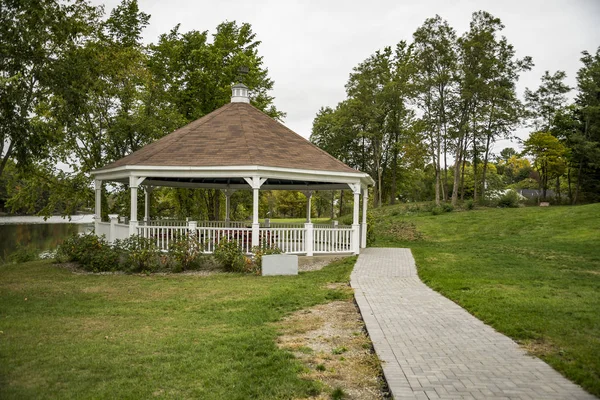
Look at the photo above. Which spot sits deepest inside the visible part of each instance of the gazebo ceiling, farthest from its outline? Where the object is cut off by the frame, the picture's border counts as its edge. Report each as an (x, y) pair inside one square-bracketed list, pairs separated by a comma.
[(240, 183)]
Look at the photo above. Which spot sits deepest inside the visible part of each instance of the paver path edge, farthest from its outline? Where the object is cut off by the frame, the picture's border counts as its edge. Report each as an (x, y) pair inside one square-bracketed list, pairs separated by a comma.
[(431, 348)]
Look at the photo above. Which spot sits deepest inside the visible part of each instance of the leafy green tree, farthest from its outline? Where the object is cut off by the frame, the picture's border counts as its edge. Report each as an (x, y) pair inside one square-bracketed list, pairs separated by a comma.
[(34, 37), (436, 62), (549, 157), (488, 106), (549, 99), (585, 142)]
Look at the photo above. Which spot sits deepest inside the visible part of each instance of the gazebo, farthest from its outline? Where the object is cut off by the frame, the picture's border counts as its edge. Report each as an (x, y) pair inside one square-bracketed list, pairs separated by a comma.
[(237, 147)]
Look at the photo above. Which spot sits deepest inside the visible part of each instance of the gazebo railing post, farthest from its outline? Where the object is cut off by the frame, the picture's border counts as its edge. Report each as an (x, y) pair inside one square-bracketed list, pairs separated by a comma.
[(355, 224), (134, 183), (255, 183), (309, 238), (114, 219), (98, 204), (363, 238)]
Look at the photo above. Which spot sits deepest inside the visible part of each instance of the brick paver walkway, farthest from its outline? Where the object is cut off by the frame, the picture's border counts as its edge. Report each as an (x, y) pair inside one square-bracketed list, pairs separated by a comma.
[(433, 349)]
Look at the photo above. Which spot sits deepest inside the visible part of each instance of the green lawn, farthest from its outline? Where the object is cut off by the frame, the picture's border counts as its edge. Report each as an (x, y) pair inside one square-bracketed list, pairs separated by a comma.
[(531, 273), (65, 335)]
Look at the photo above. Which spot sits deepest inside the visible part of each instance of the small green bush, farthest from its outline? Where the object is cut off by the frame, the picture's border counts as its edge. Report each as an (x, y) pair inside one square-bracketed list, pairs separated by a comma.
[(447, 207), (338, 394), (370, 229), (229, 254), (437, 210), (509, 200), (91, 252), (469, 205), (137, 254), (186, 253), (23, 254)]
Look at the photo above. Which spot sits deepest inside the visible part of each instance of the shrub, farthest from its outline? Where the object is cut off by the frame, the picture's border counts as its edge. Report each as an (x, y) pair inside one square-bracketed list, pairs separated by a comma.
[(229, 254), (469, 205), (185, 253), (91, 252), (370, 228), (509, 200), (437, 210), (137, 254), (23, 254), (447, 207)]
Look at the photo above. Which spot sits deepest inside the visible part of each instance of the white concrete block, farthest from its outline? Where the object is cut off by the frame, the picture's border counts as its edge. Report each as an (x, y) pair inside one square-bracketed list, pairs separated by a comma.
[(280, 264)]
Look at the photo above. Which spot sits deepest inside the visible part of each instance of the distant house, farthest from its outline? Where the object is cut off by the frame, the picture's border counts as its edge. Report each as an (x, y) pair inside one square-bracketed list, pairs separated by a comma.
[(535, 194)]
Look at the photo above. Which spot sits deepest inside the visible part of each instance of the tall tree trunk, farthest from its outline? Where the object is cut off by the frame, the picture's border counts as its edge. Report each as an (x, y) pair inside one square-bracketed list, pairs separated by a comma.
[(457, 162), (570, 192), (575, 198), (341, 203), (557, 194), (6, 157), (445, 170), (394, 168), (463, 167), (474, 170), (485, 164), (439, 169)]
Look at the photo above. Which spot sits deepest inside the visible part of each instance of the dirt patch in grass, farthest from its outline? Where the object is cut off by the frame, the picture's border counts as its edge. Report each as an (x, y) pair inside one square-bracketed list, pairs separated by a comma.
[(330, 341), (539, 348)]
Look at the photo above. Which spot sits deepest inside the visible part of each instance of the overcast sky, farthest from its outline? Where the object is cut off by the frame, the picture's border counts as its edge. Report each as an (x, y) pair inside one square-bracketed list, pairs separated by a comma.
[(310, 46)]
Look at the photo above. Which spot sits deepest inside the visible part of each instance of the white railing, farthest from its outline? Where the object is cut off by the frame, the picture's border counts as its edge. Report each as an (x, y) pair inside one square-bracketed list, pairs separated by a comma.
[(225, 224), (103, 228), (325, 238), (211, 237), (286, 225), (288, 240), (332, 240), (162, 235), (164, 222)]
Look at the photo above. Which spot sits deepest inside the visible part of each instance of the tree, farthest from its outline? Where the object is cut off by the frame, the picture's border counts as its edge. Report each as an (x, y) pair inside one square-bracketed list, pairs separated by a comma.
[(549, 99), (488, 106), (34, 36), (549, 157), (436, 62)]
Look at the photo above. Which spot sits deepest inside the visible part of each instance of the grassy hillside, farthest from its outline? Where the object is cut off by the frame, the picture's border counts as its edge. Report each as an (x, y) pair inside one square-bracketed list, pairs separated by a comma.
[(531, 273)]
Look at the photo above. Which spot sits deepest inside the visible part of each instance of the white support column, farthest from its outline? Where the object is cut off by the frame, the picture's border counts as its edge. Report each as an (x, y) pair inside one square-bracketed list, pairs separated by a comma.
[(228, 193), (363, 236), (355, 222), (308, 194), (147, 203), (255, 183), (98, 204), (134, 183)]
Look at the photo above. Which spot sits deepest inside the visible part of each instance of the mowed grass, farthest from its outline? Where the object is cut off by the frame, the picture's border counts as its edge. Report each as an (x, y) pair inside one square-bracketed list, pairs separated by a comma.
[(66, 335), (531, 273)]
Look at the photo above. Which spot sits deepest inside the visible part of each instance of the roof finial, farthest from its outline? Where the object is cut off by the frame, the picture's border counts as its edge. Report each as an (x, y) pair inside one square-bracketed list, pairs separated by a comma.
[(239, 92)]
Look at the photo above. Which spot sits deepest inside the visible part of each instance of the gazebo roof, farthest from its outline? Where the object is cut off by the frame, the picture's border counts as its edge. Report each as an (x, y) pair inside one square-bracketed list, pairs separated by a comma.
[(236, 134), (226, 147)]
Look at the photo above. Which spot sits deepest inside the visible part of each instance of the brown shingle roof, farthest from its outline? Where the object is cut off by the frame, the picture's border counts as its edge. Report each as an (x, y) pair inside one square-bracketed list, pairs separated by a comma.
[(236, 134)]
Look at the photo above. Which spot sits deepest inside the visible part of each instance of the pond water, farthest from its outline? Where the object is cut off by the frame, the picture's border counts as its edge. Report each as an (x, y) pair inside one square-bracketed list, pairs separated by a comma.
[(33, 232)]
